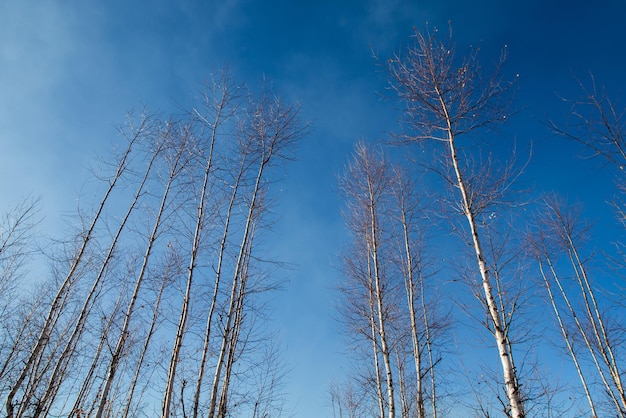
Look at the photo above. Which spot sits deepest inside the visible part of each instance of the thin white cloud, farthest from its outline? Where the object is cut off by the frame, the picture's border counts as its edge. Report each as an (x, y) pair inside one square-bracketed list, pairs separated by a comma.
[(38, 41), (388, 20)]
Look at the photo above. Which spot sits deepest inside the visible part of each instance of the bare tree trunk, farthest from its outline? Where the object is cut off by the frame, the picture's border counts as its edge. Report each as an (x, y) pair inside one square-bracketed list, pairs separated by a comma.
[(603, 343), (375, 351), (429, 350), (88, 381), (445, 99), (151, 330), (380, 310), (237, 325), (568, 342), (410, 285), (500, 334)]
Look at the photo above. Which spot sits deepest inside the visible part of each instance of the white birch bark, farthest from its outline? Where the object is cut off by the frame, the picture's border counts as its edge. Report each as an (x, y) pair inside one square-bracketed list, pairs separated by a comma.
[(445, 99)]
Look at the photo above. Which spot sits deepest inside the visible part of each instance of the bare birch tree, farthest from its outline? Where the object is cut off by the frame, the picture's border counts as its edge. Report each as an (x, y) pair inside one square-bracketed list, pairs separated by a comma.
[(268, 134), (203, 182), (581, 318), (424, 320), (219, 98), (176, 138), (365, 185), (172, 265), (446, 100), (58, 302), (17, 235)]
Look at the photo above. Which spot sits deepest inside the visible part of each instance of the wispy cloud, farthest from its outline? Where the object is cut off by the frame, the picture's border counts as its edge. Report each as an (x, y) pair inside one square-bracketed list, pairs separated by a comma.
[(38, 42)]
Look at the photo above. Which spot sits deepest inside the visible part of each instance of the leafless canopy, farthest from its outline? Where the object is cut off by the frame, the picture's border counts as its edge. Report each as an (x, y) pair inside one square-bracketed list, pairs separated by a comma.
[(429, 73)]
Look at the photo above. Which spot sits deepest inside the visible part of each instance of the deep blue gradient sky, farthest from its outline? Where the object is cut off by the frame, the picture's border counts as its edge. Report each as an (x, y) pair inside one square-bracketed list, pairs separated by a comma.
[(70, 71)]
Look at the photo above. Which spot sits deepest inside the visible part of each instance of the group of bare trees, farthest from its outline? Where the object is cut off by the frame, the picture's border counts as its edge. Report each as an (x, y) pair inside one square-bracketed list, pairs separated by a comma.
[(516, 260), (587, 317), (385, 269), (152, 305)]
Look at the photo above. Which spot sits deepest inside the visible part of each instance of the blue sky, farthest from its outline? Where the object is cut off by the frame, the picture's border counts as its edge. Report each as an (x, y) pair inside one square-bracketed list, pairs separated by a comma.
[(70, 72)]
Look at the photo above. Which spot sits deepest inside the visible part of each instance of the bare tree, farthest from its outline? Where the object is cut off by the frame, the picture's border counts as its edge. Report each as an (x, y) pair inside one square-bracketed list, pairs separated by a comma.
[(58, 303), (267, 137), (448, 99), (234, 333), (177, 139), (580, 317), (171, 268), (203, 181), (409, 214), (365, 186), (17, 236), (218, 99)]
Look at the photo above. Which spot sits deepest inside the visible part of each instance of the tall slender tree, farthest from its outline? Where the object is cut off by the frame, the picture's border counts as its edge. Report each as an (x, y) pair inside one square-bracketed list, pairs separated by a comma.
[(365, 185), (177, 139), (446, 100), (581, 320), (220, 97), (424, 320), (267, 136)]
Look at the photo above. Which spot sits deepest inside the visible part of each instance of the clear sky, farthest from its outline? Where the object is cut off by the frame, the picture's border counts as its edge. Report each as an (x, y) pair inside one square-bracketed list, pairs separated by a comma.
[(69, 71)]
